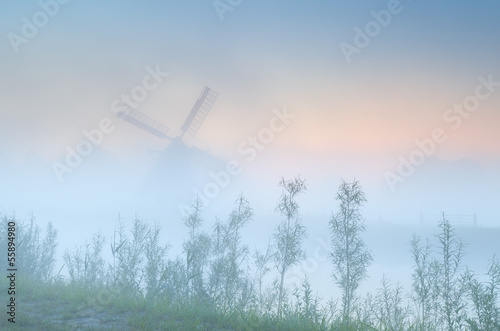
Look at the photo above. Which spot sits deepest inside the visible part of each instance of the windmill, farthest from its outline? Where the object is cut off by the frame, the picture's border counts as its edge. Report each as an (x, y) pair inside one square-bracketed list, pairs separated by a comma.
[(191, 125), (178, 166)]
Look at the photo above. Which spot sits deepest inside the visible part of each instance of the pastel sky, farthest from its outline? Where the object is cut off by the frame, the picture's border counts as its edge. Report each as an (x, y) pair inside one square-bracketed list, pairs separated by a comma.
[(351, 119)]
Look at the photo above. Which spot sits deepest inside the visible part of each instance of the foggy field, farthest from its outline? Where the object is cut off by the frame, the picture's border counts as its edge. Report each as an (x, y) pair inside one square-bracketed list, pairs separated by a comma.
[(250, 165), (133, 279)]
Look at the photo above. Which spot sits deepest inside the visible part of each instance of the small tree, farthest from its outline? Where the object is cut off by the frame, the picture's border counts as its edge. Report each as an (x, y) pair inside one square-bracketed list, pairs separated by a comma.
[(349, 255), (28, 247), (390, 311), (155, 266), (197, 250), (290, 232), (48, 253), (227, 278), (484, 297), (453, 283), (261, 261), (129, 253), (425, 286)]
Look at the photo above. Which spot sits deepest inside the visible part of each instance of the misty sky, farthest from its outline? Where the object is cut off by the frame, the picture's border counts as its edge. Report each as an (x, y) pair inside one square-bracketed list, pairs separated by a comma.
[(353, 117)]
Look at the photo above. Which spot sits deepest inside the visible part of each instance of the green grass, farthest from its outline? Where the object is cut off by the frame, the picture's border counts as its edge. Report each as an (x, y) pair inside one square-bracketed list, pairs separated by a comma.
[(59, 306)]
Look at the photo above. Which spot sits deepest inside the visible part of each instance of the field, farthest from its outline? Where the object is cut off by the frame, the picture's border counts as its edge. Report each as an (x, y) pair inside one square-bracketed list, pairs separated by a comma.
[(218, 283)]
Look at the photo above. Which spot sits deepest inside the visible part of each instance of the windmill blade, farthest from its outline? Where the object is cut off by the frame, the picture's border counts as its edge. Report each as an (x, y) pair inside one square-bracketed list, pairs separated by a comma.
[(142, 121), (199, 111)]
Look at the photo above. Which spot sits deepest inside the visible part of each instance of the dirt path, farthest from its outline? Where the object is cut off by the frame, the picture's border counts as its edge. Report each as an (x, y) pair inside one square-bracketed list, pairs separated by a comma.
[(57, 315)]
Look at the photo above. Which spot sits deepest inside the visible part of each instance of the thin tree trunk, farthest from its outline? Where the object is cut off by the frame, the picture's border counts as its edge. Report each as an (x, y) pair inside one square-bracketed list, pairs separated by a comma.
[(280, 300)]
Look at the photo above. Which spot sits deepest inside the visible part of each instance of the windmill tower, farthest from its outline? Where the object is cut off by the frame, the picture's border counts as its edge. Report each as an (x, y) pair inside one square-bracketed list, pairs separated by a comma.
[(179, 167)]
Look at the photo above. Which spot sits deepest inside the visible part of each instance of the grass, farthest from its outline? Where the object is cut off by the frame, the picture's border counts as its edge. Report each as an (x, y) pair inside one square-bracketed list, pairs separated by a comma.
[(61, 306)]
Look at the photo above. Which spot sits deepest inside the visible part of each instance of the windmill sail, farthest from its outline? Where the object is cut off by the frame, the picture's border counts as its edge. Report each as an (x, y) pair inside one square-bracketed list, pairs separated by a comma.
[(199, 111), (143, 121)]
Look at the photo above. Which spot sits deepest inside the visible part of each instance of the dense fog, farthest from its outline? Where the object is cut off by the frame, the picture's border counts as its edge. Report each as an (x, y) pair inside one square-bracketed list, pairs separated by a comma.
[(124, 110)]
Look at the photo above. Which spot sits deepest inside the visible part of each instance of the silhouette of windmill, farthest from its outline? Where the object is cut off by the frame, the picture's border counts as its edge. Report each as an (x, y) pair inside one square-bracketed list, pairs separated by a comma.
[(178, 167), (191, 125)]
